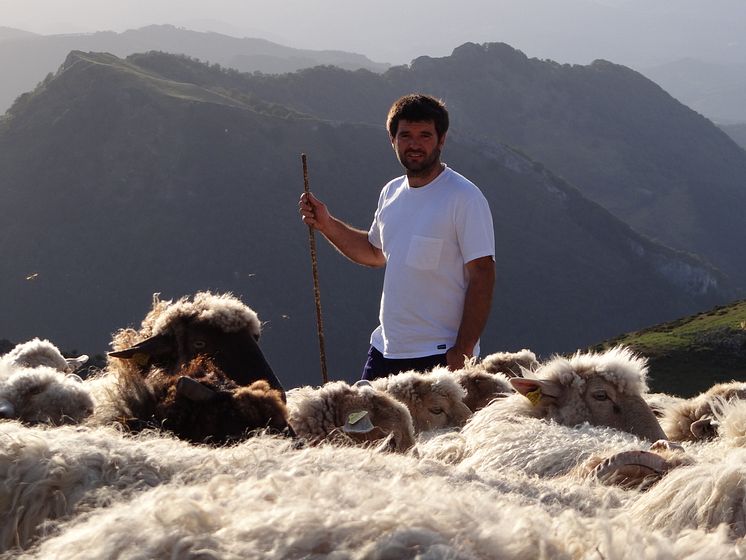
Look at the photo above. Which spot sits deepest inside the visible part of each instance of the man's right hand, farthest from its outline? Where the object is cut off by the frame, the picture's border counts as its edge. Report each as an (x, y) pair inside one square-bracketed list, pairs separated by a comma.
[(314, 212)]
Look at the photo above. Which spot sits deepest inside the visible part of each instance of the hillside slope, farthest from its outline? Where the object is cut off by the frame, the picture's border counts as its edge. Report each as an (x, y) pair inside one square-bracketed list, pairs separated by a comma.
[(690, 354)]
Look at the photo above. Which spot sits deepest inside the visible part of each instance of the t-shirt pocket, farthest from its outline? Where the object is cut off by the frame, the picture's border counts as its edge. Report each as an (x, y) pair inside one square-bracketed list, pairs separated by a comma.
[(424, 252)]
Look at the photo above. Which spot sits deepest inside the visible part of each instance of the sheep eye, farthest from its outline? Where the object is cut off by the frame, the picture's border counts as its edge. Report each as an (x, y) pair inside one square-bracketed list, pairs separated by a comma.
[(199, 344), (600, 396), (36, 390), (436, 410)]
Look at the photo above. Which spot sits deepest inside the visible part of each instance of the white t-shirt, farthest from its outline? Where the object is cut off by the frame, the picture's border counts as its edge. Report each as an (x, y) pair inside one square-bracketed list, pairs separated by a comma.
[(427, 235)]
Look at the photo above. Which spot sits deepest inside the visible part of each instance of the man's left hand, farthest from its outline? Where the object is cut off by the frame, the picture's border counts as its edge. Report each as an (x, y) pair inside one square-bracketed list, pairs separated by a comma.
[(455, 358)]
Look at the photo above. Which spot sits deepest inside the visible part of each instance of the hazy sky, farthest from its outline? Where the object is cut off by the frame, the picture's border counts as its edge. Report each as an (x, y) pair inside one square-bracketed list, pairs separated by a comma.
[(635, 32)]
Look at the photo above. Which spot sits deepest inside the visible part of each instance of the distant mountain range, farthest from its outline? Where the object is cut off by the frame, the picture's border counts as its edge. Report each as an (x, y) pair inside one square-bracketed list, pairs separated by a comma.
[(718, 91), (26, 58), (121, 178)]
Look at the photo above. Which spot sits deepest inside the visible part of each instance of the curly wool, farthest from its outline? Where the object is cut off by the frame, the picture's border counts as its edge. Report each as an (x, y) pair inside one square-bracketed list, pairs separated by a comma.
[(223, 311), (619, 366)]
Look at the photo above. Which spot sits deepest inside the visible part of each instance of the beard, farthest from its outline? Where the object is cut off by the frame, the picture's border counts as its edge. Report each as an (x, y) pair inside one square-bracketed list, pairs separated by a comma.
[(419, 167)]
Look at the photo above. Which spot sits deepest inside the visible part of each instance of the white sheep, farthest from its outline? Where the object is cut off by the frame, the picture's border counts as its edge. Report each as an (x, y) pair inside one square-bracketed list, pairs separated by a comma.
[(604, 389), (43, 395), (357, 413), (434, 399), (37, 352)]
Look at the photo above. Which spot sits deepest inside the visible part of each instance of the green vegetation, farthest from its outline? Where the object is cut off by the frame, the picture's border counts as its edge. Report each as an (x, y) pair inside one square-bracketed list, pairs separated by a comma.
[(690, 354)]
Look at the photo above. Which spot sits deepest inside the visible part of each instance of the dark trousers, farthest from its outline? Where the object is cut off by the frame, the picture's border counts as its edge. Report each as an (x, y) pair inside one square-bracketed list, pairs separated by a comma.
[(378, 366)]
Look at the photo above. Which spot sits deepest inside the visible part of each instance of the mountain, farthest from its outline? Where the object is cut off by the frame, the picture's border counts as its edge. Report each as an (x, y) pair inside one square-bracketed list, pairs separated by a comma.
[(119, 181), (26, 58), (718, 91), (737, 132), (622, 140), (689, 355)]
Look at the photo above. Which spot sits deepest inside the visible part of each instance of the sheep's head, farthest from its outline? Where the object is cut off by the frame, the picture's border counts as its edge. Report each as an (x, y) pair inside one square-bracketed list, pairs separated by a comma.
[(218, 327), (481, 386), (601, 389), (696, 419), (202, 405), (385, 417), (355, 413), (44, 395), (434, 399)]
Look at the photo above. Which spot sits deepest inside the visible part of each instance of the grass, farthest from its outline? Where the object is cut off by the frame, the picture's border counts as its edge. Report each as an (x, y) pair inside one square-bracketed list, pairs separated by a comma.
[(689, 355)]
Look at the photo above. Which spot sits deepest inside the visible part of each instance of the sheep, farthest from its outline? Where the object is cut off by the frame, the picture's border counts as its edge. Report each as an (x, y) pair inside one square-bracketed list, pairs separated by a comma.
[(694, 419), (172, 334), (434, 399), (511, 364), (43, 395), (198, 403), (603, 389), (481, 386), (37, 352), (353, 413)]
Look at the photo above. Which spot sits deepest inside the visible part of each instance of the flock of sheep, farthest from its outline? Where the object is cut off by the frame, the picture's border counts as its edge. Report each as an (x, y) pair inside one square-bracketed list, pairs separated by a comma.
[(187, 446)]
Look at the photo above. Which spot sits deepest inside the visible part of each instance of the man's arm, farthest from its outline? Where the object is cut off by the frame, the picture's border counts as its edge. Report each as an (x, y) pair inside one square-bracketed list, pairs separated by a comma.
[(351, 242), (477, 305)]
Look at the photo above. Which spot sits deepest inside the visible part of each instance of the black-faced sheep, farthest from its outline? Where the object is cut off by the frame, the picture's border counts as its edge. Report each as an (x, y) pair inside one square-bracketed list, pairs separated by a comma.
[(434, 399), (601, 389), (197, 403), (694, 419), (43, 395), (37, 352), (173, 334), (481, 386), (353, 413)]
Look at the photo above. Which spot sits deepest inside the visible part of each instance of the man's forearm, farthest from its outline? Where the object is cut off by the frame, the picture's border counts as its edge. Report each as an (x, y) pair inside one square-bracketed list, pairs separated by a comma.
[(353, 243), (477, 305)]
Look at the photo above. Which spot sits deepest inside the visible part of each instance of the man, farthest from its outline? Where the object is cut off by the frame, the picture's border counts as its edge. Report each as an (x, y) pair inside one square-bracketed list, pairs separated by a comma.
[(433, 232)]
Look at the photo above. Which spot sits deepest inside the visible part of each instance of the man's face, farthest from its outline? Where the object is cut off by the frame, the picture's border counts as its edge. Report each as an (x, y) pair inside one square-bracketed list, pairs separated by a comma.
[(417, 146)]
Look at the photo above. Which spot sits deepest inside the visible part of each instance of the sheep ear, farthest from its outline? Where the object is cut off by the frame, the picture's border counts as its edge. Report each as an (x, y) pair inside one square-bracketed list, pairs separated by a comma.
[(153, 346), (194, 390), (358, 422), (76, 363), (535, 389), (704, 428), (7, 410)]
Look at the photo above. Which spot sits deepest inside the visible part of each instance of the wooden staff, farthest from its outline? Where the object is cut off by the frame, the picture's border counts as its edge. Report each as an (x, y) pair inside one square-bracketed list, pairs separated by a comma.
[(315, 269)]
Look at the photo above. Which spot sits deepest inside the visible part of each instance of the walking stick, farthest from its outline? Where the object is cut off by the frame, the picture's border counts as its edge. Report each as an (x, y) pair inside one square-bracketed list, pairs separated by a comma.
[(315, 269)]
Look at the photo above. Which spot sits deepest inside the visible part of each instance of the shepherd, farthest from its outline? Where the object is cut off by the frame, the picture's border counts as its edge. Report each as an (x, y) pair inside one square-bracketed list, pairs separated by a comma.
[(433, 232)]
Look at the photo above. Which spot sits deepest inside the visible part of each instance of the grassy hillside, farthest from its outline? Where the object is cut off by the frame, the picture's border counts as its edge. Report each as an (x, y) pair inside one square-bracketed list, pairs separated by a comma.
[(692, 353)]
